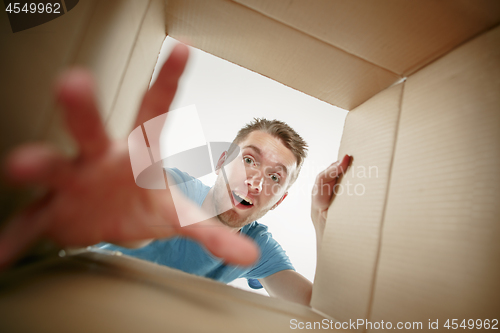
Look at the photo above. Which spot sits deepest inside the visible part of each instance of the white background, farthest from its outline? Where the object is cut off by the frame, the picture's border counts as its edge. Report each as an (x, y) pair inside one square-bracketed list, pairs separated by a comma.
[(227, 97)]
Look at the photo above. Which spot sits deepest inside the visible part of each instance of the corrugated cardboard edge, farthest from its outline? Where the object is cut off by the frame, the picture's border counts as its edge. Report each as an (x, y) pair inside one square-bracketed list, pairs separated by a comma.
[(140, 67), (352, 234), (440, 256), (413, 34), (235, 33), (128, 293)]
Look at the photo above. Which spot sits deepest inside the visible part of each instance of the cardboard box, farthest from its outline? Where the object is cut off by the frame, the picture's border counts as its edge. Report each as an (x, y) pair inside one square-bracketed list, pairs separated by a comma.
[(421, 81)]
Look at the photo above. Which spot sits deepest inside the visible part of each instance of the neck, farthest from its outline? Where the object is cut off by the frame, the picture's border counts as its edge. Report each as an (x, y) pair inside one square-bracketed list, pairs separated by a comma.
[(208, 206)]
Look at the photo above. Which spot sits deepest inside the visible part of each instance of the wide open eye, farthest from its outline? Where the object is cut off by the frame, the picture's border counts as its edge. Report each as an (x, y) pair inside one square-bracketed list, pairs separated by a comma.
[(248, 160), (275, 178)]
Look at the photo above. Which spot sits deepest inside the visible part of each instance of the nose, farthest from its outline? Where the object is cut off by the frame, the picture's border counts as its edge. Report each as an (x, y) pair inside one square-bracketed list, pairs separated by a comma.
[(254, 183)]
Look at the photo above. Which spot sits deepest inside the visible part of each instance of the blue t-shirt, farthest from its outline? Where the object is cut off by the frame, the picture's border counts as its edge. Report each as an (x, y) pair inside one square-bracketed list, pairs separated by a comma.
[(191, 257)]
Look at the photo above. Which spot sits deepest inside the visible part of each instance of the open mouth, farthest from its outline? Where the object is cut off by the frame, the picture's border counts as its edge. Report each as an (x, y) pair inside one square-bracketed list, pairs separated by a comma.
[(241, 202)]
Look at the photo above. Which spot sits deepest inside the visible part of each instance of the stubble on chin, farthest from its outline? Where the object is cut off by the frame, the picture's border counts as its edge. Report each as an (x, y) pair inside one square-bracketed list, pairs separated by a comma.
[(230, 219)]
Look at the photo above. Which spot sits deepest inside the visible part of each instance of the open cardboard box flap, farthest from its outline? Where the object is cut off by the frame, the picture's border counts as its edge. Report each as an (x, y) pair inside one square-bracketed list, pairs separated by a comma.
[(341, 52)]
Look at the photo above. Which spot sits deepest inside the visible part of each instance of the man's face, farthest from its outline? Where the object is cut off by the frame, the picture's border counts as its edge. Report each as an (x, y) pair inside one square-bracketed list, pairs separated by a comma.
[(258, 179)]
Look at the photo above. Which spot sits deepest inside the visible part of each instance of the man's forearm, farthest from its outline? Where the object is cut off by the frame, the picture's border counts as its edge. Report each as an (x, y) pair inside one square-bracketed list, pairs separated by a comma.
[(319, 221), (288, 285)]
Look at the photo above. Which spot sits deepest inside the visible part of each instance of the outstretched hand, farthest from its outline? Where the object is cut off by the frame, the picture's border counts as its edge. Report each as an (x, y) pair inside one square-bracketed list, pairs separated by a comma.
[(324, 192), (93, 197)]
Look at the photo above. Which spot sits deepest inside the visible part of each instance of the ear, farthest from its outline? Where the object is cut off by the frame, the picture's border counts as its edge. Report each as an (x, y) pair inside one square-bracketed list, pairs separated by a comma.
[(280, 200), (221, 161)]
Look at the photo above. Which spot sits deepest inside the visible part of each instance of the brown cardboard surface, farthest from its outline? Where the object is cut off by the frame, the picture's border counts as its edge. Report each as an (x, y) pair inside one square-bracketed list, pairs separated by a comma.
[(135, 81), (106, 49), (111, 38), (440, 252), (401, 36), (114, 26), (347, 260), (432, 254), (30, 61), (236, 33), (95, 292)]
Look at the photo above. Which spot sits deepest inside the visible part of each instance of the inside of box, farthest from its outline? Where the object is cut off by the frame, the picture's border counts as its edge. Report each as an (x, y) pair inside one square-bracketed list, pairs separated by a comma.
[(422, 242), (427, 218), (227, 97)]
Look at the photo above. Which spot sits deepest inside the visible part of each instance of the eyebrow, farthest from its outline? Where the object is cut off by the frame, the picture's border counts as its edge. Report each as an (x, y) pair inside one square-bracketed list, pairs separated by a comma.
[(258, 151)]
